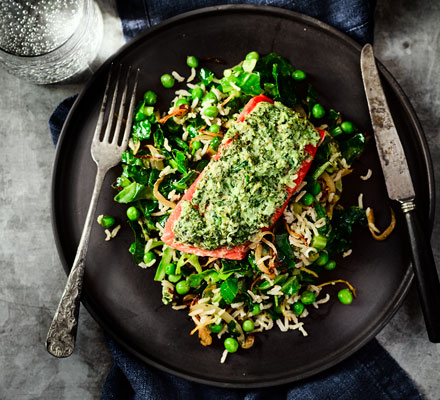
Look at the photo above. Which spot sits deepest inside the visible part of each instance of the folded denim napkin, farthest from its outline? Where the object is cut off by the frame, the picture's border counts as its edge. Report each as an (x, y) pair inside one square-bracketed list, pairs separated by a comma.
[(369, 374)]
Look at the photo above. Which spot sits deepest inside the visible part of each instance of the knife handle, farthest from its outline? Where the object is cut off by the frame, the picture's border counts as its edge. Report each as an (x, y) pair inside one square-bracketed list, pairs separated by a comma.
[(425, 272)]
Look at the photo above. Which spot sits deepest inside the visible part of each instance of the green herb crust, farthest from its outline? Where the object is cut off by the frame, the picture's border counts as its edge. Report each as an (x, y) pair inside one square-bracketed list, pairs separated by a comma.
[(241, 191)]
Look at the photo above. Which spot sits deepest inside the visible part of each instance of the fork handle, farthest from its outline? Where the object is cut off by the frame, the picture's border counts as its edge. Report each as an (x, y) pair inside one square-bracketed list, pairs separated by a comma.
[(61, 336)]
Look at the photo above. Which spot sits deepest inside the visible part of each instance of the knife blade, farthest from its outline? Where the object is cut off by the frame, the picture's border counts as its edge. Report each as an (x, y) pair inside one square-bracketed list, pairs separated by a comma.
[(400, 187)]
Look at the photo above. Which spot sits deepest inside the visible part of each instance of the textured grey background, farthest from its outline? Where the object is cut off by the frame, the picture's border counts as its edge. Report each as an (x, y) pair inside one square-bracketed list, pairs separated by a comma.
[(31, 279)]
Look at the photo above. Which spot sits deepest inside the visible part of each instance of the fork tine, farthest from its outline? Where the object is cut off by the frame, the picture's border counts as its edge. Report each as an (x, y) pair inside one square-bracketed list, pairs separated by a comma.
[(121, 109), (103, 106), (108, 128), (130, 114)]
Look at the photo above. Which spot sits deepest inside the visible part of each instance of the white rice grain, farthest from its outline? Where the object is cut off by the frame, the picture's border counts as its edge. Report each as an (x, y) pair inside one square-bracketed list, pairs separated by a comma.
[(224, 355), (367, 175), (192, 76), (347, 253), (177, 76), (360, 201)]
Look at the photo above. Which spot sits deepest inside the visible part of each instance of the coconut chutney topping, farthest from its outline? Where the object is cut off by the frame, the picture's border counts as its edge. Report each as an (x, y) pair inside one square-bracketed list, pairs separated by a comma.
[(240, 192)]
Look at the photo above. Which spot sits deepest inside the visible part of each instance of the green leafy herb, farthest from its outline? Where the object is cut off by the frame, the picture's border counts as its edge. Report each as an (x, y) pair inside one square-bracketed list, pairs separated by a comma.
[(229, 289)]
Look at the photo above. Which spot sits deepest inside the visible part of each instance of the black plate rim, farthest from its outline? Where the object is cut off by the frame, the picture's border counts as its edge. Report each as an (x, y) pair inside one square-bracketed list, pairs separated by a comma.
[(405, 285)]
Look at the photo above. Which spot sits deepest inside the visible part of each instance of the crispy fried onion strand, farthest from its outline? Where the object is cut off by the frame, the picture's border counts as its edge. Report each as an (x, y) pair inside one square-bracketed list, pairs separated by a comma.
[(182, 109), (155, 152), (289, 230), (159, 196), (339, 281), (329, 182), (374, 230), (309, 271)]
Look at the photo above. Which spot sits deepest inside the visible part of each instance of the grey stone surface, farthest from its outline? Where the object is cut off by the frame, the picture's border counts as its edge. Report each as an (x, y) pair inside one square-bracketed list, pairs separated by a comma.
[(31, 280)]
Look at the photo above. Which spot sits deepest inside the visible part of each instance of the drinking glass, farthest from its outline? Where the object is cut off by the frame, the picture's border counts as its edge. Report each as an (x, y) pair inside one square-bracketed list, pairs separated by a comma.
[(48, 41)]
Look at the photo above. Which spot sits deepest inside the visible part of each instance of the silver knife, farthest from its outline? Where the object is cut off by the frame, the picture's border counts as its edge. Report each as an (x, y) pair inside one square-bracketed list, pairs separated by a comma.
[(400, 188)]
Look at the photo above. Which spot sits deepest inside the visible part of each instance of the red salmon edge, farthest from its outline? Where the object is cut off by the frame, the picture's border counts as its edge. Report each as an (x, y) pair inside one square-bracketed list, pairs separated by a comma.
[(250, 105), (302, 172)]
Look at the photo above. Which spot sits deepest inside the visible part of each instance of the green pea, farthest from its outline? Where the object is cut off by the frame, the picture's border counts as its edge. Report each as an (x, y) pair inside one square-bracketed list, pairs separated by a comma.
[(197, 145), (214, 128), (231, 345), (253, 55), (298, 308), (347, 127), (148, 257), (322, 259), (196, 93), (330, 266), (345, 296), (256, 309), (106, 221), (278, 310), (318, 111), (216, 328), (174, 278), (210, 111), (308, 297), (181, 102), (133, 213), (319, 242), (182, 287), (167, 81), (192, 62), (215, 143), (308, 199), (150, 98), (315, 189), (248, 325), (170, 269), (210, 96), (299, 75)]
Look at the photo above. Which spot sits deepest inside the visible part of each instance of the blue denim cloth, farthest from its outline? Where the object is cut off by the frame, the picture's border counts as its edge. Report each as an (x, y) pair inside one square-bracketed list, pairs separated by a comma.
[(369, 374)]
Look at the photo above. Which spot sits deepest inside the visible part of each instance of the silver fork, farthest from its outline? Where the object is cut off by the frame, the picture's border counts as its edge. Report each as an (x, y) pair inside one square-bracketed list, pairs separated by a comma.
[(106, 153)]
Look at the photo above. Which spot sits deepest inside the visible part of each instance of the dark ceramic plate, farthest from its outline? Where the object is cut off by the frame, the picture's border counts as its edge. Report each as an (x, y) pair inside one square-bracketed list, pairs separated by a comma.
[(126, 301)]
